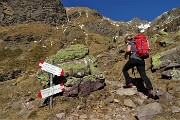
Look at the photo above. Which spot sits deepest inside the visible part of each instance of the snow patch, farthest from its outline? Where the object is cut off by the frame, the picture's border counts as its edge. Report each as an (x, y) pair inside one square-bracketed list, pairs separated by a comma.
[(143, 27), (81, 26)]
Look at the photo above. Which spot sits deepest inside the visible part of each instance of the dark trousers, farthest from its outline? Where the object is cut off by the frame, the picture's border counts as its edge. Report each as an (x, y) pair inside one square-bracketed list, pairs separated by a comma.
[(140, 64)]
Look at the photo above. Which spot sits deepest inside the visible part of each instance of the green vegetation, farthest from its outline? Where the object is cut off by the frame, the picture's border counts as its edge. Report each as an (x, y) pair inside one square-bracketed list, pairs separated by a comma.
[(77, 51)]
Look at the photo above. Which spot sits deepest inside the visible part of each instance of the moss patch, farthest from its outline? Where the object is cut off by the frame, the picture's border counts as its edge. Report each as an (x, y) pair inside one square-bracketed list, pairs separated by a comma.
[(72, 52), (155, 61), (175, 74)]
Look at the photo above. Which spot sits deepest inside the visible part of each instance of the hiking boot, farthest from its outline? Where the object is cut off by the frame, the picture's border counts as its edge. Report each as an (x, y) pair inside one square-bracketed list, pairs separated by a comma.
[(150, 91), (151, 94), (128, 85)]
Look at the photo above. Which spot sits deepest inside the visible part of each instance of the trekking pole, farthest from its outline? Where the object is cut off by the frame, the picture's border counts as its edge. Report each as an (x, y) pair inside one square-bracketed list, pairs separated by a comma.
[(133, 72)]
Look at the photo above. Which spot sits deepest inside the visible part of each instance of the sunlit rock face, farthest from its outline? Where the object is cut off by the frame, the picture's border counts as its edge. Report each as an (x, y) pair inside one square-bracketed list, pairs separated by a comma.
[(23, 11)]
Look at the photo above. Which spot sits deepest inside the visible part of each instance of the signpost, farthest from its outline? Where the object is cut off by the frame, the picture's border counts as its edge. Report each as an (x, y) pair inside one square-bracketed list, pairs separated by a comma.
[(51, 85), (51, 68), (52, 89)]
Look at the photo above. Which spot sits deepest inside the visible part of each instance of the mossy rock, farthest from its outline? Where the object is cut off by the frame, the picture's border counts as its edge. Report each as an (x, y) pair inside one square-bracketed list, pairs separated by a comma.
[(155, 61), (75, 81), (43, 77), (76, 69), (163, 33), (77, 51), (72, 81), (172, 74), (166, 42), (164, 58), (175, 74), (155, 36), (76, 63)]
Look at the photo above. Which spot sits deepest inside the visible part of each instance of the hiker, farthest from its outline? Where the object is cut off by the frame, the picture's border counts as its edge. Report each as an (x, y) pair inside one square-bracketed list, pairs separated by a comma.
[(133, 61)]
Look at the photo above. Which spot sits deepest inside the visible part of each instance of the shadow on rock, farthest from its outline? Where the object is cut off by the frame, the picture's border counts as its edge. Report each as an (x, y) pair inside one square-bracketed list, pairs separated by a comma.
[(139, 83)]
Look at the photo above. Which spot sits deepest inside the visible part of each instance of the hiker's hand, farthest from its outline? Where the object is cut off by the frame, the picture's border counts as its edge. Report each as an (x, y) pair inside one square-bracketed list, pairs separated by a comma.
[(125, 56)]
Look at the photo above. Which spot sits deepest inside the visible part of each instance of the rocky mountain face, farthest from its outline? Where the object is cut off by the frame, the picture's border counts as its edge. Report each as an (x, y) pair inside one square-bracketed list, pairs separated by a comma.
[(23, 11), (168, 21), (90, 49)]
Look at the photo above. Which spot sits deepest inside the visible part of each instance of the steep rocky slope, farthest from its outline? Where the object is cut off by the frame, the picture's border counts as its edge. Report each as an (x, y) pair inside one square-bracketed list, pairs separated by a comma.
[(23, 11), (168, 21), (25, 44)]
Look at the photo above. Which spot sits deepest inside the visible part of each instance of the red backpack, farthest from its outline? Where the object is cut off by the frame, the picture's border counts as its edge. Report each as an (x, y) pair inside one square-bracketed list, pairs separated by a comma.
[(142, 46)]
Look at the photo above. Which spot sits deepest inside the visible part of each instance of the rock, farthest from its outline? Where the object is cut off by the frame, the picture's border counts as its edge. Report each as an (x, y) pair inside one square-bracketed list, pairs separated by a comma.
[(129, 103), (89, 86), (81, 73), (138, 101), (173, 74), (116, 100), (148, 111), (175, 109), (128, 92), (10, 75), (165, 43), (24, 113), (110, 100), (168, 62), (163, 59), (51, 12), (69, 118), (83, 116), (142, 96), (163, 95), (60, 115), (19, 104)]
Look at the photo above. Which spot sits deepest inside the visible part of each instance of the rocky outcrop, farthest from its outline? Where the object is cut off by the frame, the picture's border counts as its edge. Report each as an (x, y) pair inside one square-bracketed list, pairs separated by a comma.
[(168, 62), (102, 27), (23, 11), (81, 73), (168, 21), (10, 75)]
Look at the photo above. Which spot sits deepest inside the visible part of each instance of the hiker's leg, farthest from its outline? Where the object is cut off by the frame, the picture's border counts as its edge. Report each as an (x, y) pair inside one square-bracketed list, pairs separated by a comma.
[(142, 72), (125, 69)]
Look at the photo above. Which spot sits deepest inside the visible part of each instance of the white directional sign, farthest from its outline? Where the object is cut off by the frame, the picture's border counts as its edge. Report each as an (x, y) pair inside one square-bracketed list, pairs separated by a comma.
[(51, 68), (51, 91)]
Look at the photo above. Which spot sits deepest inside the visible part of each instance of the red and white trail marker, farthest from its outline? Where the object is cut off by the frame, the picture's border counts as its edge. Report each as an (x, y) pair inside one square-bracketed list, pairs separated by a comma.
[(51, 91), (51, 68)]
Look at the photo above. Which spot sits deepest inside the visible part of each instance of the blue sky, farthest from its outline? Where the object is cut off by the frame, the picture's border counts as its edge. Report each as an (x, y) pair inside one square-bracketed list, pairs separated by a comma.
[(126, 10)]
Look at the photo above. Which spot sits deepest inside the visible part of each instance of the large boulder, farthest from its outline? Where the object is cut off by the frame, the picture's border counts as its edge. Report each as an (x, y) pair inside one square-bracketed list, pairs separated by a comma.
[(168, 62), (81, 73), (149, 111)]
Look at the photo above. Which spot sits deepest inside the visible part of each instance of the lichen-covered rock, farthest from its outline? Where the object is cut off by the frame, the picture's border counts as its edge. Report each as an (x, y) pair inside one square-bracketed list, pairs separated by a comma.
[(171, 74), (163, 59), (166, 42), (168, 62), (80, 69), (70, 53)]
